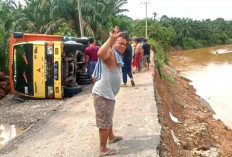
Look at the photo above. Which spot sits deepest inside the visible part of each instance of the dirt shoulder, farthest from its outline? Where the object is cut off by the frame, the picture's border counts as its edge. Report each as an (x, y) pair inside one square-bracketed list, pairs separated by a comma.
[(197, 133), (24, 112)]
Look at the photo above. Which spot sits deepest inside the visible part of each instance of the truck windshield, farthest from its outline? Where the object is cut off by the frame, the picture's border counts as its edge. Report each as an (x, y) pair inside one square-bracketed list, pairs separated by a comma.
[(22, 68)]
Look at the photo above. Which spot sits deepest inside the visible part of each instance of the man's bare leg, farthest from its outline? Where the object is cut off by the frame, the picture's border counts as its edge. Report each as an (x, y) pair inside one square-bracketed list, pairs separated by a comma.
[(111, 134), (104, 135), (145, 64), (93, 80)]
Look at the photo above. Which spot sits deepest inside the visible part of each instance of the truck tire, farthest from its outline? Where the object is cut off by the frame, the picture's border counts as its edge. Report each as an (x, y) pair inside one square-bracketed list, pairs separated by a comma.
[(84, 41), (2, 93), (71, 91), (74, 46), (84, 81), (83, 76)]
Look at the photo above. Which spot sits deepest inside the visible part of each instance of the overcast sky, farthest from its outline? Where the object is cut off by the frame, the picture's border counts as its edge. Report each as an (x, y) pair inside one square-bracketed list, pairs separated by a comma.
[(195, 9)]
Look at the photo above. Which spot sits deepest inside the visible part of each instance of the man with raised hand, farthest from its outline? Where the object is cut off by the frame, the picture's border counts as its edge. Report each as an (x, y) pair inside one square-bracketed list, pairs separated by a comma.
[(107, 74)]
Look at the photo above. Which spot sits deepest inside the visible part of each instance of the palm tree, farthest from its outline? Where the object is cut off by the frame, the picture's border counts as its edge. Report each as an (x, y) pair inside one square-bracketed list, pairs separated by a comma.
[(97, 13), (7, 9)]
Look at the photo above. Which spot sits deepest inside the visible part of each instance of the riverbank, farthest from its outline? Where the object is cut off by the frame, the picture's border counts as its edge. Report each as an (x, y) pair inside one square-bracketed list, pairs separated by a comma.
[(188, 126)]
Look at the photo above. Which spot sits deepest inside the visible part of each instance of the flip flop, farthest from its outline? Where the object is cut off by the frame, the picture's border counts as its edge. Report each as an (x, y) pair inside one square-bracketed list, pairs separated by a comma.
[(110, 152), (118, 138), (132, 83)]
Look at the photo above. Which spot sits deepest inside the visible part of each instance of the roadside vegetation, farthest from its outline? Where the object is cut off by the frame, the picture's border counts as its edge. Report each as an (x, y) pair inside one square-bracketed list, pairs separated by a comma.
[(99, 16)]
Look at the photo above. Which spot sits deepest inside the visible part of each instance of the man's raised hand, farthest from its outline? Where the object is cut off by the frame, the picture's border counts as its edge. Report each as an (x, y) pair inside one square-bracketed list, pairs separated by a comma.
[(114, 33)]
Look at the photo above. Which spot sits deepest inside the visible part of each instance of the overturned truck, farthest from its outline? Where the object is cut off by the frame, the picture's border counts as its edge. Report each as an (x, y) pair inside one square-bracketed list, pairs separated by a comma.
[(46, 66)]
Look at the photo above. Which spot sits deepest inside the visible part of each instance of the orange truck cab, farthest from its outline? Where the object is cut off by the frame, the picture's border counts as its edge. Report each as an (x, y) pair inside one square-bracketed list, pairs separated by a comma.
[(45, 66)]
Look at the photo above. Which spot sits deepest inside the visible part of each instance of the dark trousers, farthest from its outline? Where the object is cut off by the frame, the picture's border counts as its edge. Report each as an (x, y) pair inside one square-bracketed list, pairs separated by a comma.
[(126, 70)]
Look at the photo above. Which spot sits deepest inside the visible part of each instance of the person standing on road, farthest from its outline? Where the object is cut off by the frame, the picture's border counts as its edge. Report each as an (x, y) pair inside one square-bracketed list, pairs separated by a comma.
[(138, 53), (133, 64), (91, 56), (106, 88), (146, 55), (126, 69), (142, 43)]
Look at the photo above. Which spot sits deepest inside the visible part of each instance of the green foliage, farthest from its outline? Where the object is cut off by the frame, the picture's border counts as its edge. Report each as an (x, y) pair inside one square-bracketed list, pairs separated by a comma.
[(159, 57), (138, 28), (100, 42), (64, 30), (122, 21), (7, 10), (57, 17), (189, 43), (194, 34), (229, 41), (164, 35), (168, 78), (99, 16)]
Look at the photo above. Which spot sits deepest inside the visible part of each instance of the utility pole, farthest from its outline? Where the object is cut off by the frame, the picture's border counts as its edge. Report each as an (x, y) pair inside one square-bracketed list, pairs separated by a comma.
[(80, 17), (146, 15)]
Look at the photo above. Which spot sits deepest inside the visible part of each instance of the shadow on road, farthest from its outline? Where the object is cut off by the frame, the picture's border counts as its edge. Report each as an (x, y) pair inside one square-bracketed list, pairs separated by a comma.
[(138, 145)]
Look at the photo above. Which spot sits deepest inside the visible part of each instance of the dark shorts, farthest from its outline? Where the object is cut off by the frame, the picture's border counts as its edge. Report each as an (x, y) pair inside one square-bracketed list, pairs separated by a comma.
[(146, 59), (91, 67), (104, 109)]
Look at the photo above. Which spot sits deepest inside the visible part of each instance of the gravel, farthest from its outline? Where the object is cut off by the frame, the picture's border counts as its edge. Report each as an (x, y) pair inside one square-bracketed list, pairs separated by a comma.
[(22, 112)]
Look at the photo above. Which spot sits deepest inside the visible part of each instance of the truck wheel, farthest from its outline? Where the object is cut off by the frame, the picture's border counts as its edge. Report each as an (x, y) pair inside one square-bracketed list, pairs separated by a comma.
[(83, 76), (71, 91), (74, 46), (84, 81)]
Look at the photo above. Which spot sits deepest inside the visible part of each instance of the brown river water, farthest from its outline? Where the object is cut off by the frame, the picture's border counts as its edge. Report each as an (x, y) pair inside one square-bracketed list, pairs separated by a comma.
[(210, 70)]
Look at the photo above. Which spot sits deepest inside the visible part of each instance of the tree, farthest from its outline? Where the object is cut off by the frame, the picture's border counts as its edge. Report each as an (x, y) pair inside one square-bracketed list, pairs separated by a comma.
[(7, 10)]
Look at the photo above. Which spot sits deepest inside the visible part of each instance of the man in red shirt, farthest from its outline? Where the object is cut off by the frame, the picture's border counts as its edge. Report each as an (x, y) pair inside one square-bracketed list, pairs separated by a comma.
[(91, 56)]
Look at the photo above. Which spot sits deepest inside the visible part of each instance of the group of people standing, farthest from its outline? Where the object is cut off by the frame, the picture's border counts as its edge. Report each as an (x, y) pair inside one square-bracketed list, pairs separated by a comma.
[(105, 64), (135, 57), (142, 54)]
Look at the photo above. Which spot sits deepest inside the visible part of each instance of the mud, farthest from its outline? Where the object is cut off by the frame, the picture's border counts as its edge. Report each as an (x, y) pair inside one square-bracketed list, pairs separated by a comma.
[(195, 132)]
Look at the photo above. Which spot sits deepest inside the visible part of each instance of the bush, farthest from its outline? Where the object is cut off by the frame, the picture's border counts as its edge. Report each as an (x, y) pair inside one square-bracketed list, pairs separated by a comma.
[(229, 41), (189, 43), (4, 48), (203, 43), (159, 57), (64, 30)]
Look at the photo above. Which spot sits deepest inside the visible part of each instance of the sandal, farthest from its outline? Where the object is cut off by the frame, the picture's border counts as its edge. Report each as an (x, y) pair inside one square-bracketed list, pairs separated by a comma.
[(118, 138), (110, 152), (132, 83)]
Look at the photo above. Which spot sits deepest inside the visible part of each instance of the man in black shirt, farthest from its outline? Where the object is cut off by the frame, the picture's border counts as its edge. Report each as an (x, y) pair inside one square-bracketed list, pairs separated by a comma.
[(126, 69), (146, 54)]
